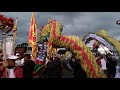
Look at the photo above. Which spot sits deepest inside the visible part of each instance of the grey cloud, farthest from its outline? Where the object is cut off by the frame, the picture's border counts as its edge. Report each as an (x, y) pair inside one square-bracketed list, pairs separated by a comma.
[(74, 23)]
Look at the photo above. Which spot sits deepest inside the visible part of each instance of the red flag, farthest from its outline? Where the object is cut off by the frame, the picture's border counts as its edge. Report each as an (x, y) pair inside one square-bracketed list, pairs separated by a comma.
[(33, 36)]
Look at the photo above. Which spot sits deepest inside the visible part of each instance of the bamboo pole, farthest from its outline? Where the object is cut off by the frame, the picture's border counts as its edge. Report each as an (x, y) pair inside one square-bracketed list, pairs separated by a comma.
[(15, 33)]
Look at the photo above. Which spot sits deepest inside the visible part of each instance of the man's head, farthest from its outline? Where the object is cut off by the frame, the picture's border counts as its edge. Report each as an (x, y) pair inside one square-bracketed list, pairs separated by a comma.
[(21, 51), (27, 57), (11, 60)]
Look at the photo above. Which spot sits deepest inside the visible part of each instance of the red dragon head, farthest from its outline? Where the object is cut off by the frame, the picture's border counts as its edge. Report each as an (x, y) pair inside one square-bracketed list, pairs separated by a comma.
[(6, 23)]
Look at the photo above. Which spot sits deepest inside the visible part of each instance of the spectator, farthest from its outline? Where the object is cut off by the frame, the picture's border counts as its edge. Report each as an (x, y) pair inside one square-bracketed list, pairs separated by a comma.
[(18, 61), (28, 66), (111, 66), (78, 70), (53, 68), (103, 65), (12, 71)]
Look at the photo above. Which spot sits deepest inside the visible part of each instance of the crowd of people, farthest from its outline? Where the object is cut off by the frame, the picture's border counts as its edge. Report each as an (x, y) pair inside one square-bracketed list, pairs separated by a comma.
[(12, 68), (16, 66)]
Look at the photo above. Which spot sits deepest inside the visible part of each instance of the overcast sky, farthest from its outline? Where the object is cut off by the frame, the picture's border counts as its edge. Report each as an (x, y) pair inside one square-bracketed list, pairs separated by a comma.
[(74, 23)]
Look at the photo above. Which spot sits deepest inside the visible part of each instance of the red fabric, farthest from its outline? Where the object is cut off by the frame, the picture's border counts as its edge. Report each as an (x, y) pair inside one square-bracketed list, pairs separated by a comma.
[(39, 62), (36, 61), (67, 40), (3, 18), (7, 22), (18, 72), (99, 62), (85, 57), (1, 72), (32, 32), (54, 28), (71, 41), (96, 44), (41, 29)]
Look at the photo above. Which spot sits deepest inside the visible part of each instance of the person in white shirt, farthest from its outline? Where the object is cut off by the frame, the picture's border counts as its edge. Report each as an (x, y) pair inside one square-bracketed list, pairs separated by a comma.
[(12, 71), (103, 63), (19, 61)]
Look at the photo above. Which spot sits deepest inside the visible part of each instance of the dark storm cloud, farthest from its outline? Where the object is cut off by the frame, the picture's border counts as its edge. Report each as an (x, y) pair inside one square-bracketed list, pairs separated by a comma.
[(74, 23)]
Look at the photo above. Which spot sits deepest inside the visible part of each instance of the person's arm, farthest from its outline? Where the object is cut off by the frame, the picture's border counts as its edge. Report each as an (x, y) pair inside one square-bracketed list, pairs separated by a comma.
[(67, 66), (52, 65), (72, 64)]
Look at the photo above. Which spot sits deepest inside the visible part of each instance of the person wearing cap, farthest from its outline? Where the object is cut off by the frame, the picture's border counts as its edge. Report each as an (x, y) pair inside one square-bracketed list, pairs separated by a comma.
[(12, 71)]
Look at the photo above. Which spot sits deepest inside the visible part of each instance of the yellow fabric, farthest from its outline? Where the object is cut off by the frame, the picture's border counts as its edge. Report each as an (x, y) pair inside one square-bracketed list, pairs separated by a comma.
[(60, 40), (111, 40)]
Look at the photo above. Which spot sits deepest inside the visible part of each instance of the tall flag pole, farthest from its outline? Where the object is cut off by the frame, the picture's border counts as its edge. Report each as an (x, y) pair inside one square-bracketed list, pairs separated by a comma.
[(33, 37), (15, 32)]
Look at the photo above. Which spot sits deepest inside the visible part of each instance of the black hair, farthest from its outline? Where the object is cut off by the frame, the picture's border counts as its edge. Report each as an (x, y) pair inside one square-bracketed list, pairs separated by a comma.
[(101, 56), (27, 55)]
